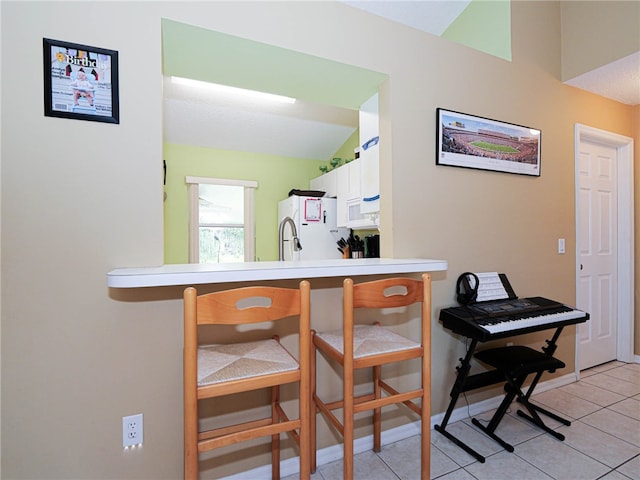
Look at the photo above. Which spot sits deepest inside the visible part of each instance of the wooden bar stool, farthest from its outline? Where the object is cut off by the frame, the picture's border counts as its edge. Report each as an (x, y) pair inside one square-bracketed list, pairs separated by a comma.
[(366, 346), (212, 371)]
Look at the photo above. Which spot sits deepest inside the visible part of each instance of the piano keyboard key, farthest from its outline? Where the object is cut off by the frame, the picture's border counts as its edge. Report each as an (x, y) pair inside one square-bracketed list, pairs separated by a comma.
[(532, 321)]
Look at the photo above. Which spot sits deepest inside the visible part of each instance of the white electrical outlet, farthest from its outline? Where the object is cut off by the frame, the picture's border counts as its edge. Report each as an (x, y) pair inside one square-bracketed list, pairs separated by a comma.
[(132, 431)]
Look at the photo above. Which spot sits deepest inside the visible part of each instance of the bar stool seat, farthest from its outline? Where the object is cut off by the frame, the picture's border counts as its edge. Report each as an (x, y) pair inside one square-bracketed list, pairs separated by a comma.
[(517, 360), (516, 363), (224, 363), (368, 340)]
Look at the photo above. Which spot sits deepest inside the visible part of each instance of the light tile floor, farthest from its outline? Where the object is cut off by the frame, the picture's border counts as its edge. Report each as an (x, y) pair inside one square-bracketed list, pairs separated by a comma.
[(603, 441)]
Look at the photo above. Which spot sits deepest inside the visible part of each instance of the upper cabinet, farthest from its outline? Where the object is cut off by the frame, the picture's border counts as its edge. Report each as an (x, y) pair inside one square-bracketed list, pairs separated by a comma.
[(348, 190), (369, 157), (327, 183), (349, 180), (357, 184)]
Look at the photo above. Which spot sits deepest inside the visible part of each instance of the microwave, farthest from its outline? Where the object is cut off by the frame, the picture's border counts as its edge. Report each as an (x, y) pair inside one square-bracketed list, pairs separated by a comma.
[(358, 220)]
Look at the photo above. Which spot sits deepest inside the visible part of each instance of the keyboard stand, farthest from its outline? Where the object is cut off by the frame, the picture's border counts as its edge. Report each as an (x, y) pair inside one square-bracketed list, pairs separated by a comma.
[(513, 388), (465, 382), (550, 349)]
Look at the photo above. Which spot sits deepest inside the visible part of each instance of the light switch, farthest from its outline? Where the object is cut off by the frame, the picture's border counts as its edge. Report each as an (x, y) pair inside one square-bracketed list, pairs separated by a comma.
[(561, 245)]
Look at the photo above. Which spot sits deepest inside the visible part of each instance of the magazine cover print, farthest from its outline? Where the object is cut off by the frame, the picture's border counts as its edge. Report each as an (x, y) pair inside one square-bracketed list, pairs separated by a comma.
[(80, 81)]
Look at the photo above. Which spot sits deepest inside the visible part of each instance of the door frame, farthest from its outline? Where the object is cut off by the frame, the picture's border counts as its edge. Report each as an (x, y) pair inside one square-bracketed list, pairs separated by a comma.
[(625, 243)]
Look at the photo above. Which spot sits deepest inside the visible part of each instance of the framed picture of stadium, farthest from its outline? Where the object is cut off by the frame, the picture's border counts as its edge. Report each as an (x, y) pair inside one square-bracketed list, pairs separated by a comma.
[(482, 143), (80, 82)]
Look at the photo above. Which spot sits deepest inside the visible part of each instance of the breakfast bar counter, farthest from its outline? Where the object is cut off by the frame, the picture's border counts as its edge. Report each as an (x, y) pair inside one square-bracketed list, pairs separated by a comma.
[(327, 303), (198, 274)]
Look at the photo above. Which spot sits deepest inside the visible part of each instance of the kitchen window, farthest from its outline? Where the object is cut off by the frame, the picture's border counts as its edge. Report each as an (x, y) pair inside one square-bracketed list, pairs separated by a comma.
[(221, 220)]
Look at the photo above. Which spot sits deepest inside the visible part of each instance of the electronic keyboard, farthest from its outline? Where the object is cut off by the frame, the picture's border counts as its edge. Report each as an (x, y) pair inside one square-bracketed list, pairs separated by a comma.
[(491, 320)]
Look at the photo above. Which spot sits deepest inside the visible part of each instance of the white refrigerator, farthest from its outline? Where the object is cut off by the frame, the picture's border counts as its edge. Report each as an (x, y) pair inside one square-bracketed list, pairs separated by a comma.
[(315, 221)]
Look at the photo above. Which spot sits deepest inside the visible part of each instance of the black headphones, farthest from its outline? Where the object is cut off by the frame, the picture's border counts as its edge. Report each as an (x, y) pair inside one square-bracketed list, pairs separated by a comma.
[(465, 292)]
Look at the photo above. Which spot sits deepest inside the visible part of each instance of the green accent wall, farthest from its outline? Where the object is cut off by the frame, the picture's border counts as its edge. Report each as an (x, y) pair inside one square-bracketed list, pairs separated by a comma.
[(485, 26), (210, 56), (346, 152), (276, 176)]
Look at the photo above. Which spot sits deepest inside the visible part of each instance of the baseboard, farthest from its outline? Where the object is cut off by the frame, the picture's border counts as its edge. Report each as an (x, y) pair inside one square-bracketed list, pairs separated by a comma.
[(330, 454)]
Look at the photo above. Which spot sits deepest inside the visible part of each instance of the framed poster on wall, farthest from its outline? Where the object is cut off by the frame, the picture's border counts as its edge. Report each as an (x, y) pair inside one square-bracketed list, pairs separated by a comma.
[(80, 82), (482, 143)]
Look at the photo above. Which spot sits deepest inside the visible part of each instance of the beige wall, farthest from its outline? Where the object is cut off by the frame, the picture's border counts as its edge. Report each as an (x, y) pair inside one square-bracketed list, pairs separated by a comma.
[(597, 33), (636, 164), (82, 198)]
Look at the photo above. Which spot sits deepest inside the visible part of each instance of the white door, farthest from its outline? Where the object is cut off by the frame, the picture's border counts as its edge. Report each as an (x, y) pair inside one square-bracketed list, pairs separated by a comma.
[(597, 254)]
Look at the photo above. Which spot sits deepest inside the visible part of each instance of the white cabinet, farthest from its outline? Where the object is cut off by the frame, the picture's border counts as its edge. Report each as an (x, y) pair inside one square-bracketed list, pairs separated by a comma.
[(369, 156), (348, 182), (345, 183), (350, 175), (369, 178), (326, 183)]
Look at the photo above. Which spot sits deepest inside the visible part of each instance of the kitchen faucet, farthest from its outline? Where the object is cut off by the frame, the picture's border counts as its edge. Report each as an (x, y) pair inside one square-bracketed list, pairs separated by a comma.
[(296, 242)]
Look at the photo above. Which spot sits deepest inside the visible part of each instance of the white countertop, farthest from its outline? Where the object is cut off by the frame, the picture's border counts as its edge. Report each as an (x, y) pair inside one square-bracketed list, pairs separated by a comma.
[(195, 274)]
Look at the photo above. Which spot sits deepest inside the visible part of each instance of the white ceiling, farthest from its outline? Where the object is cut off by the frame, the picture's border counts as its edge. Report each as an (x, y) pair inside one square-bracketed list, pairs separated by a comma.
[(433, 16), (198, 117), (619, 80), (313, 131)]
